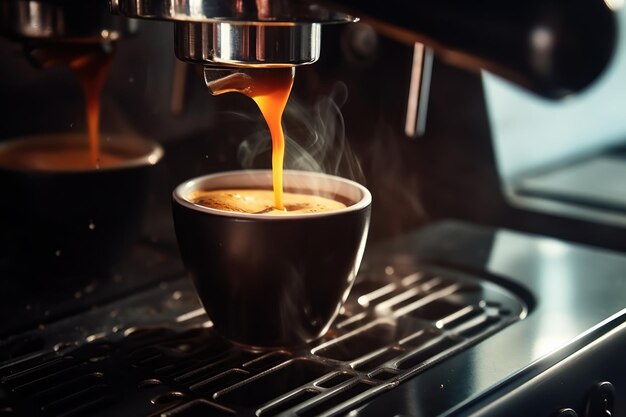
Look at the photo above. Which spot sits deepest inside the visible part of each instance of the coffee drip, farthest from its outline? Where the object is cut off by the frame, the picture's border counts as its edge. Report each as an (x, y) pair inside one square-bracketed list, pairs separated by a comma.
[(270, 89), (90, 63), (92, 71)]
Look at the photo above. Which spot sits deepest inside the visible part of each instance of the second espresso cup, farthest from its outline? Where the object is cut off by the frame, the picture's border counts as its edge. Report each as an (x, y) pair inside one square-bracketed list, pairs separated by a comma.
[(269, 280), (61, 219)]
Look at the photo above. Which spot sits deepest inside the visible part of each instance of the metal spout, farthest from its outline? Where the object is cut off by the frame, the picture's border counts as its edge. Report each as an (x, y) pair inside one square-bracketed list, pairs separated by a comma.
[(246, 45), (252, 82), (220, 81), (240, 33)]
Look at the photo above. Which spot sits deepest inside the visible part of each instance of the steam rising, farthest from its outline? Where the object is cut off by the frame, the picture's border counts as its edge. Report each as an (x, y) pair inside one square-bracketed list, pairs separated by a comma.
[(314, 139), (394, 185)]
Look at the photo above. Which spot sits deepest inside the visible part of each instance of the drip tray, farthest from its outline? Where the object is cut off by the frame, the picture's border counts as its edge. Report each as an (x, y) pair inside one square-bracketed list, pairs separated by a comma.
[(156, 354)]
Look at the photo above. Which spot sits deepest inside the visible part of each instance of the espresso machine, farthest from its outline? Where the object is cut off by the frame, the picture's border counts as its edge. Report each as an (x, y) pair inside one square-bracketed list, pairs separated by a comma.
[(480, 294)]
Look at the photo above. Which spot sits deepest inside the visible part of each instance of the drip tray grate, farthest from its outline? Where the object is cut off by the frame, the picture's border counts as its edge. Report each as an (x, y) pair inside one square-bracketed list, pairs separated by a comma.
[(397, 322)]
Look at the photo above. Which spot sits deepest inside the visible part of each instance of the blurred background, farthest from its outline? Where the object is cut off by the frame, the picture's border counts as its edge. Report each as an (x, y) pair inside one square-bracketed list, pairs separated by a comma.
[(492, 153)]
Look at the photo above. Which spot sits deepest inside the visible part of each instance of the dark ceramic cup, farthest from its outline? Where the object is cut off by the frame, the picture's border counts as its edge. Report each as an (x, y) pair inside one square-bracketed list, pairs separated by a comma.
[(66, 223), (267, 280)]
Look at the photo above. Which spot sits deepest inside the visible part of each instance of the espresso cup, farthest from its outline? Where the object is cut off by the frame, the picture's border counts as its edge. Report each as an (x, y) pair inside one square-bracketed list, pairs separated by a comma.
[(268, 280), (67, 222)]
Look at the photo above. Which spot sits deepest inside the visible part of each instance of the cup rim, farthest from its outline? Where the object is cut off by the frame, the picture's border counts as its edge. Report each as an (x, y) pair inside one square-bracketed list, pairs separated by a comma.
[(154, 151), (177, 195)]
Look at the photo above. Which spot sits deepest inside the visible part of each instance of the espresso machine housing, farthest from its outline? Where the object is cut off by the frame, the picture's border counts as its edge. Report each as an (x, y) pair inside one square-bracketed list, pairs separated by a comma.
[(448, 317), (537, 45)]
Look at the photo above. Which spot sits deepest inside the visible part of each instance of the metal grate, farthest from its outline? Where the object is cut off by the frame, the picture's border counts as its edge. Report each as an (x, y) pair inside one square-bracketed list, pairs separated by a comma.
[(397, 322)]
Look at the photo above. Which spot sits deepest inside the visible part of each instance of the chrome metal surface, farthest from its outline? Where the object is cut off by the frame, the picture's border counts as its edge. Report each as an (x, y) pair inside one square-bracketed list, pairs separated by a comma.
[(580, 296), (419, 89), (587, 187), (158, 351), (244, 45), (384, 355), (275, 12), (240, 33), (78, 21)]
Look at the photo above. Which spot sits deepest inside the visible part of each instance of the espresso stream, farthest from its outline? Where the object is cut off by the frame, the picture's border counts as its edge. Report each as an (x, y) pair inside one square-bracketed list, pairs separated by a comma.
[(270, 89), (254, 201), (91, 64), (92, 70)]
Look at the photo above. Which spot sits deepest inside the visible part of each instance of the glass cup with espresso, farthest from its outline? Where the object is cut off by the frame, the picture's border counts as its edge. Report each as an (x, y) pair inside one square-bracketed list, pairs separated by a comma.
[(267, 277), (62, 216)]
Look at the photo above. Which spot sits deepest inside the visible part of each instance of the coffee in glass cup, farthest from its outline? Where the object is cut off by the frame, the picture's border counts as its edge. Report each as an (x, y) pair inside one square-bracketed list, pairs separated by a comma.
[(270, 279)]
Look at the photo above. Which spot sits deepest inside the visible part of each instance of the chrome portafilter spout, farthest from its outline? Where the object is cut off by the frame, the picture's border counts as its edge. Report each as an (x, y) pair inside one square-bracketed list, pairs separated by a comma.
[(243, 45), (240, 33), (49, 30), (238, 39)]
